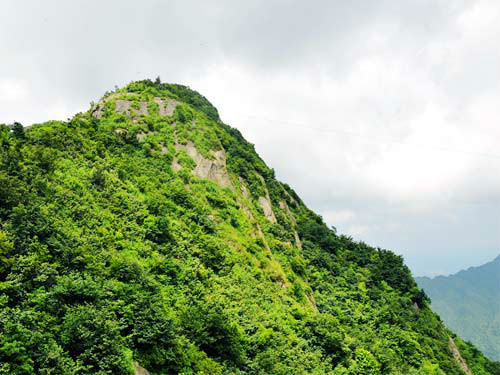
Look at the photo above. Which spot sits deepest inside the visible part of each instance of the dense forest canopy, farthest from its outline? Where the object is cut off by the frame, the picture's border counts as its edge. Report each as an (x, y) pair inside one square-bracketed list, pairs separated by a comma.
[(147, 234)]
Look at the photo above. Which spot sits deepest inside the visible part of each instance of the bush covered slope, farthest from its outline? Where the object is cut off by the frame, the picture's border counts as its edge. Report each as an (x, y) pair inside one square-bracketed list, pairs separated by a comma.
[(146, 233), (469, 303)]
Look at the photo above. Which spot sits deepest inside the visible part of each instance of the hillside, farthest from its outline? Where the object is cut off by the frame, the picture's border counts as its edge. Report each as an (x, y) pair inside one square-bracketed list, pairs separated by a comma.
[(146, 236), (469, 303)]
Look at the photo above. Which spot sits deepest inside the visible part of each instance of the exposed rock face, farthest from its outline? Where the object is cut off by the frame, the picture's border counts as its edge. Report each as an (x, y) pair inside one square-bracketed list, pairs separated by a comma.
[(297, 240), (175, 165), (285, 208), (458, 357), (138, 370), (98, 111), (122, 106), (142, 110), (265, 203), (141, 136), (244, 189), (267, 208), (312, 301), (212, 169), (167, 106)]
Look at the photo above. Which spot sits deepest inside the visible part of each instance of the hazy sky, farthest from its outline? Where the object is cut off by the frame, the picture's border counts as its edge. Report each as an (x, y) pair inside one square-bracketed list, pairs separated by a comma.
[(383, 115)]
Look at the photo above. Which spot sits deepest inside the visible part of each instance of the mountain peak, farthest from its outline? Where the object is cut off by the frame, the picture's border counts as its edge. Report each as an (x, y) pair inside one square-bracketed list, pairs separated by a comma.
[(147, 89), (145, 235)]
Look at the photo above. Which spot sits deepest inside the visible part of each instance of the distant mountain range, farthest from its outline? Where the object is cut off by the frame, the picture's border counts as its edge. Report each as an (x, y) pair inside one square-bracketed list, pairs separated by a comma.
[(469, 304)]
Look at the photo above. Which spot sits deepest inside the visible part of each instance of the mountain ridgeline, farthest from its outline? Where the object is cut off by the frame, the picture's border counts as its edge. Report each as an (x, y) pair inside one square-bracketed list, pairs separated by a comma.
[(145, 236), (469, 304)]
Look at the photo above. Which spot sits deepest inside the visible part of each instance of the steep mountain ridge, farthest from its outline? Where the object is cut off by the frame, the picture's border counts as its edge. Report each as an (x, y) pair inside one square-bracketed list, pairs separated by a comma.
[(146, 235), (469, 303)]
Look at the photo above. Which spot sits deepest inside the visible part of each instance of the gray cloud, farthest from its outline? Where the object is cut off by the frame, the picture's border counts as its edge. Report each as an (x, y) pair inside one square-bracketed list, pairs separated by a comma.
[(382, 115)]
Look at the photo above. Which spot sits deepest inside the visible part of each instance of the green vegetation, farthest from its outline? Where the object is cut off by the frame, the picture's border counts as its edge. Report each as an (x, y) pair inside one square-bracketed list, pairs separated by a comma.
[(469, 304), (109, 255)]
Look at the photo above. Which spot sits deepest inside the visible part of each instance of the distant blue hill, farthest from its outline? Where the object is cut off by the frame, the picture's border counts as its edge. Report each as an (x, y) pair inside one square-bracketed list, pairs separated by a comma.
[(469, 304)]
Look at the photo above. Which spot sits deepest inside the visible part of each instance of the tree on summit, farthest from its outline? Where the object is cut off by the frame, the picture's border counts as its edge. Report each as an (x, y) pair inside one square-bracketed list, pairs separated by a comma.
[(18, 130)]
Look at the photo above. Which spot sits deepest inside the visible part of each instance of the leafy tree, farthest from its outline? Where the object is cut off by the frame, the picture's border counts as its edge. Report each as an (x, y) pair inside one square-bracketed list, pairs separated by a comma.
[(364, 364), (18, 130)]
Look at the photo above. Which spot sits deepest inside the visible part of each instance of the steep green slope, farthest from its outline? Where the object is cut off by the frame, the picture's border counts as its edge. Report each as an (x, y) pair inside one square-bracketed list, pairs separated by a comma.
[(469, 303), (147, 234)]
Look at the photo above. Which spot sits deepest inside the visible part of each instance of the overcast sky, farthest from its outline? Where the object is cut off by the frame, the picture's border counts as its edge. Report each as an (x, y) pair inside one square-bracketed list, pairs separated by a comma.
[(384, 116)]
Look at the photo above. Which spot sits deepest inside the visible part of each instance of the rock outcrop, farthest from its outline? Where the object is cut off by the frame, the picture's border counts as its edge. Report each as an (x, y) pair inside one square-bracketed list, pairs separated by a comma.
[(458, 357), (212, 169), (166, 106), (266, 206), (138, 370)]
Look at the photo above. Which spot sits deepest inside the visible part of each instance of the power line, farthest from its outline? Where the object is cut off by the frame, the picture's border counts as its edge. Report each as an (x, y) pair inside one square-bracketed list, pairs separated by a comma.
[(378, 139)]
